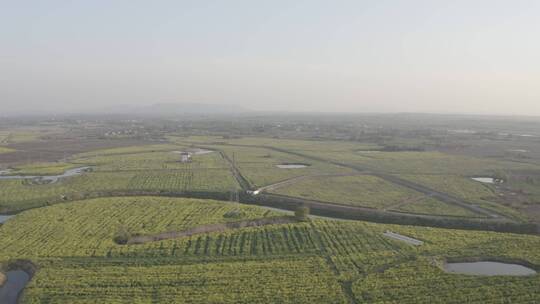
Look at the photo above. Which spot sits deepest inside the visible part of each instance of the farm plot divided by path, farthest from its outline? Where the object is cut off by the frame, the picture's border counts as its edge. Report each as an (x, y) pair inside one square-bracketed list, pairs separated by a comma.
[(389, 166), (368, 191), (139, 169), (317, 261), (157, 169)]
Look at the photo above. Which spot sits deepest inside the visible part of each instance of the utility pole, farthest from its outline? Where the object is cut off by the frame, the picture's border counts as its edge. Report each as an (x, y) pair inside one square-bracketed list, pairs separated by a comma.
[(234, 196)]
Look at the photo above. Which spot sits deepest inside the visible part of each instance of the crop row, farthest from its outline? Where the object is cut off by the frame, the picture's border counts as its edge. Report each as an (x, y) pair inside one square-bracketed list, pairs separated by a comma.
[(19, 194), (274, 281), (72, 245)]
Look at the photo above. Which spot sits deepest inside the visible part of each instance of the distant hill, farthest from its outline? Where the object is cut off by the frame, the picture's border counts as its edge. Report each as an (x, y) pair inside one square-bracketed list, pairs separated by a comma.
[(164, 109)]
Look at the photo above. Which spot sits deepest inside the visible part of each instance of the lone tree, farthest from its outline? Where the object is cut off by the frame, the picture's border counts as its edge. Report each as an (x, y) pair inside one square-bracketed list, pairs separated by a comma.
[(122, 236), (302, 213)]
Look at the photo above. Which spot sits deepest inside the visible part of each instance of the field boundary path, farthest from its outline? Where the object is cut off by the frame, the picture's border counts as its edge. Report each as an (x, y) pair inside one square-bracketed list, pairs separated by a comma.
[(237, 174), (405, 202)]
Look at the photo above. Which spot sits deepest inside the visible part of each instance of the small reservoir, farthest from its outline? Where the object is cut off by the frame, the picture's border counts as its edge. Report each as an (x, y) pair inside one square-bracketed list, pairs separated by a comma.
[(487, 268), (292, 166), (486, 180)]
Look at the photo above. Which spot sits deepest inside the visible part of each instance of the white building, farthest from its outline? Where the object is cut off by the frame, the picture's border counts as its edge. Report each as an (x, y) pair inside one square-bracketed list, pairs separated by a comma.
[(185, 157)]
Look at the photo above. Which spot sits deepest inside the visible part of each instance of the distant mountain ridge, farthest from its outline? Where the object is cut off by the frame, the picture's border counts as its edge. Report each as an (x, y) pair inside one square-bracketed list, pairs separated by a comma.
[(177, 109)]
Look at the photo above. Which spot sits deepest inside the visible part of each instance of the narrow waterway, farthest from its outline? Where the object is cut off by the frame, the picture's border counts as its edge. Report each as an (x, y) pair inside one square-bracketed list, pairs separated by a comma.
[(48, 178), (12, 288)]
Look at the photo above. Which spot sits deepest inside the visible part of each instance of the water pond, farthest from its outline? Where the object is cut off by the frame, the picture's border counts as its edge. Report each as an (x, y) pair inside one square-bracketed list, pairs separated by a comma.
[(486, 180), (291, 166), (16, 281), (487, 268)]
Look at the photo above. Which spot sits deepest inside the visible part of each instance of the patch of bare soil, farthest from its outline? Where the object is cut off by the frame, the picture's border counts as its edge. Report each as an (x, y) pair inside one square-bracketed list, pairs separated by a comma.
[(211, 228)]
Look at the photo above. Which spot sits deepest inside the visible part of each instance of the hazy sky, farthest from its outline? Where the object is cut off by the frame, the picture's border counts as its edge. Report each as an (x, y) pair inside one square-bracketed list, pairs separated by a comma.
[(470, 56)]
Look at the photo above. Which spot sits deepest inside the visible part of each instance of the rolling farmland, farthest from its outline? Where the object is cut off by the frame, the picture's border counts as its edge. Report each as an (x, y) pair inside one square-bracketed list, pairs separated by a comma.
[(321, 260), (70, 239), (277, 152), (368, 191), (114, 172), (334, 172)]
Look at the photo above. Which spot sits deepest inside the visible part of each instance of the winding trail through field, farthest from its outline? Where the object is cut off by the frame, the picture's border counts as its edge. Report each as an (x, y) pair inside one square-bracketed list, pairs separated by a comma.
[(242, 181)]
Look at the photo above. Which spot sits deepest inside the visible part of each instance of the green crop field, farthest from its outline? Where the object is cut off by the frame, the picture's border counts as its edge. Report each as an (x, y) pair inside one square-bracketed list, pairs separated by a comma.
[(368, 191), (429, 205), (70, 240), (270, 152), (19, 194), (358, 190), (432, 286), (365, 155), (465, 188), (9, 137), (289, 144), (256, 159), (321, 261), (55, 168), (152, 160), (5, 150), (456, 185), (419, 162), (259, 165), (202, 180), (139, 169), (156, 169), (128, 150), (285, 281)]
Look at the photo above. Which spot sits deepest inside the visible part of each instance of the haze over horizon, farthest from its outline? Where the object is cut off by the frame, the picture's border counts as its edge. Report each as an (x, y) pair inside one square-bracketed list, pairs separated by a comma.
[(471, 57)]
